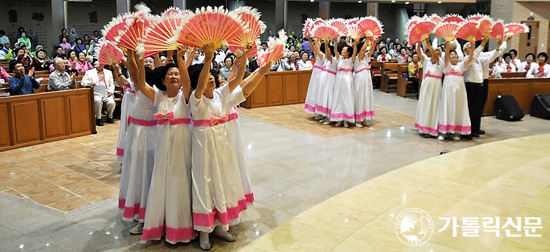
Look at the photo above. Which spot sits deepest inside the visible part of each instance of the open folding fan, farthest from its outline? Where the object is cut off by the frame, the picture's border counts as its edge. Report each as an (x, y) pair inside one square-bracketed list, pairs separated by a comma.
[(172, 11), (513, 29), (468, 30), (421, 31), (164, 34), (485, 25), (308, 25), (447, 30), (254, 27), (238, 51), (325, 32), (108, 54), (318, 21), (355, 32), (352, 21), (210, 25), (497, 31), (340, 25), (412, 22), (112, 29), (453, 18), (436, 19), (136, 25), (371, 26), (276, 49)]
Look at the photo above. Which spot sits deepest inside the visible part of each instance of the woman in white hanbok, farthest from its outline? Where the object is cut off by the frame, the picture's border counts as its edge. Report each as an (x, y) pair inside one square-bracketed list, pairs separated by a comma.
[(364, 102)]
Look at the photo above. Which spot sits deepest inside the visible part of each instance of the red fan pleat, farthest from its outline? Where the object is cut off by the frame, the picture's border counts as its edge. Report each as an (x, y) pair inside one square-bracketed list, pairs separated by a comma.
[(469, 30), (134, 34), (341, 26), (420, 31), (371, 26), (112, 30), (513, 29), (163, 35), (497, 32), (453, 18), (254, 27), (485, 26), (447, 31), (325, 32), (109, 54)]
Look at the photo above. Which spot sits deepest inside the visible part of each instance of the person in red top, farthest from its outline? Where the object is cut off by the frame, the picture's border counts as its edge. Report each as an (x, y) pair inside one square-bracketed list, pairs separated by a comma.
[(63, 35)]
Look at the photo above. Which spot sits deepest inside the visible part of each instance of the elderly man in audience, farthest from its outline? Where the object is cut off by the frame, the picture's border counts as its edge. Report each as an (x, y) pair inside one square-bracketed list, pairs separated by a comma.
[(22, 83), (102, 82), (60, 79)]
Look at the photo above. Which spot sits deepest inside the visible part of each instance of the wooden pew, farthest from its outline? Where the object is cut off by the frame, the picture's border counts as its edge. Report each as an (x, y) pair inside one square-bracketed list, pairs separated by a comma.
[(280, 88), (513, 74), (403, 82), (376, 70), (389, 76)]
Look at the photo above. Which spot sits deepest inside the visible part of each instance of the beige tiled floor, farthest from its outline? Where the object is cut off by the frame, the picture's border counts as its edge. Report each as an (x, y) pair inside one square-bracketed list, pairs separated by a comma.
[(503, 179), (294, 117), (64, 175)]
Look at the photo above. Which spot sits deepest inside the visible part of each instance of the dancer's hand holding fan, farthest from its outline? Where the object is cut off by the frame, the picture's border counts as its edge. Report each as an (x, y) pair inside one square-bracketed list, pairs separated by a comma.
[(254, 27), (108, 54), (276, 49), (513, 29), (420, 32), (210, 25), (447, 31), (355, 32), (468, 31), (136, 25)]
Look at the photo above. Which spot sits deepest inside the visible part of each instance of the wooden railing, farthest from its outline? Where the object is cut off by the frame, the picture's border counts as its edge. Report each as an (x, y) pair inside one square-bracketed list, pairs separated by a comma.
[(280, 88), (44, 117)]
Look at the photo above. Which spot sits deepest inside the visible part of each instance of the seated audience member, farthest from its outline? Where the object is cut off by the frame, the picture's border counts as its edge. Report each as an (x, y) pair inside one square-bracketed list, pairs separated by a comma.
[(540, 70), (514, 54), (79, 47), (292, 62), (65, 45), (25, 40), (494, 69), (342, 42), (414, 70), (100, 76), (305, 46), (384, 56), (6, 52), (83, 64), (508, 66), (86, 40), (304, 63), (220, 55), (393, 51), (263, 48), (69, 67), (60, 79), (58, 50), (281, 65), (197, 58), (22, 83), (3, 37), (96, 35), (226, 69), (34, 41), (252, 64), (4, 75), (73, 36), (41, 61), (63, 35), (528, 63), (403, 57), (149, 62)]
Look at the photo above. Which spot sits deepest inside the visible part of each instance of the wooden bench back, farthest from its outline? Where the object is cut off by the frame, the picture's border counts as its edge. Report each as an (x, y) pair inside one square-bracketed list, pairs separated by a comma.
[(513, 74)]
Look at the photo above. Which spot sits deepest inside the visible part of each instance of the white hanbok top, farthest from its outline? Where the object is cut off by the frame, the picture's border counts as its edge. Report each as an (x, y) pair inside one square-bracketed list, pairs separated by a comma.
[(525, 67), (535, 72)]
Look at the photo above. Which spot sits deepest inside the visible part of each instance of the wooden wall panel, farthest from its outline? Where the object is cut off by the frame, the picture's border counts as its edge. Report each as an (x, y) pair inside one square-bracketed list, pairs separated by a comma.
[(540, 87), (495, 89), (53, 112), (26, 121), (522, 93), (304, 85), (260, 94), (275, 90), (291, 87), (4, 126), (79, 112)]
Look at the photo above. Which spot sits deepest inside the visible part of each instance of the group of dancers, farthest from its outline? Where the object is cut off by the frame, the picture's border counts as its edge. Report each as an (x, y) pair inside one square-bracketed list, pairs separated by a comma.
[(340, 88), (454, 89), (183, 166)]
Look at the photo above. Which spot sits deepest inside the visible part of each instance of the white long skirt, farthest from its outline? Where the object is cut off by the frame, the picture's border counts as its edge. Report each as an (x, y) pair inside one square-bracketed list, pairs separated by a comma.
[(169, 205), (324, 93), (342, 106), (127, 100), (454, 116), (427, 111), (312, 90)]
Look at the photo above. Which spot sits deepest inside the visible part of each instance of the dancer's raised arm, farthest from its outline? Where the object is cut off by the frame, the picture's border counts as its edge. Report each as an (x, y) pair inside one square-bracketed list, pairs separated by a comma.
[(182, 67), (148, 91), (205, 72), (240, 72), (447, 52)]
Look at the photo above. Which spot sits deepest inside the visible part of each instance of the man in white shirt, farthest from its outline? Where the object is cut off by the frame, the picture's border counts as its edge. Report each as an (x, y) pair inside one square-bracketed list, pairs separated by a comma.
[(473, 77), (60, 79), (96, 78)]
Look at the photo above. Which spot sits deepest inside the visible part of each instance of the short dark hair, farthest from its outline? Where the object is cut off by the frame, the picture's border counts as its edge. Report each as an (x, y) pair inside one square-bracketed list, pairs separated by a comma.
[(15, 62), (228, 57), (543, 54), (514, 51), (194, 73), (506, 55), (350, 49), (2, 32), (532, 54)]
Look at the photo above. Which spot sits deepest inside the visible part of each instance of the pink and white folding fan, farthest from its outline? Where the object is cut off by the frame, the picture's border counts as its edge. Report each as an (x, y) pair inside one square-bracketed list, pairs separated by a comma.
[(308, 25), (436, 19), (108, 54), (238, 51), (412, 22), (325, 32), (485, 25), (113, 29), (447, 31), (254, 26), (210, 25), (352, 21), (468, 30), (276, 49), (136, 25), (340, 25), (497, 31), (355, 32), (172, 11), (513, 29), (164, 34), (371, 26), (453, 18), (477, 17), (420, 32)]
